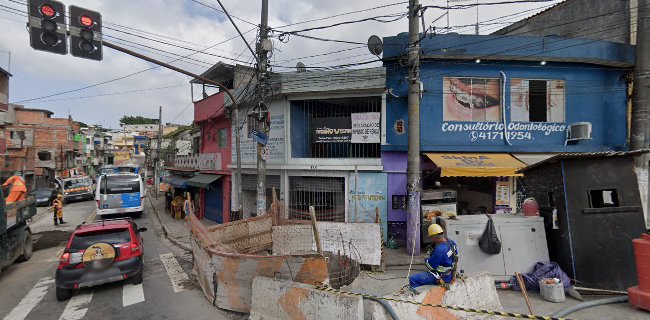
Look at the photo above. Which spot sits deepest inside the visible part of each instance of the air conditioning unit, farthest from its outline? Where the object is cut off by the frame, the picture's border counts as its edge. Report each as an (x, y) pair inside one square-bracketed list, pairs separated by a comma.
[(579, 131)]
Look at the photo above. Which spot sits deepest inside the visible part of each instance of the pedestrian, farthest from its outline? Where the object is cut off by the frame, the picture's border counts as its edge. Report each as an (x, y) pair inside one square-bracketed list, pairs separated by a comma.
[(188, 206), (18, 189), (169, 196), (441, 264), (57, 206)]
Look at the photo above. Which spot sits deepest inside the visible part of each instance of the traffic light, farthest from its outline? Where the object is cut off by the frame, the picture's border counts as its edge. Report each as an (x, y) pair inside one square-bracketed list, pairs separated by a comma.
[(46, 25), (85, 33)]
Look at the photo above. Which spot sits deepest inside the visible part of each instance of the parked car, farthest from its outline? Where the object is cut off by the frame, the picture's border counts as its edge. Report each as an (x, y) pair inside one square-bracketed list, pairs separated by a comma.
[(78, 188), (99, 253), (121, 193), (44, 196)]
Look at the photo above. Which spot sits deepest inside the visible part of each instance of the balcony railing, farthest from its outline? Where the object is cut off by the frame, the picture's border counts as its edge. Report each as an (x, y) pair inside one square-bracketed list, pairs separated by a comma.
[(184, 161)]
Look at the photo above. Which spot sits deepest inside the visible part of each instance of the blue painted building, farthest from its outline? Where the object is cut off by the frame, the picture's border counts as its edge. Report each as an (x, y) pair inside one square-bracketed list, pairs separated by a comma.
[(523, 97)]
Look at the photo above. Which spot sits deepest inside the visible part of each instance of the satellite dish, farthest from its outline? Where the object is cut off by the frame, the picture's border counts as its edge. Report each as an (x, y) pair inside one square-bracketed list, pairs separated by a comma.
[(301, 67), (375, 46)]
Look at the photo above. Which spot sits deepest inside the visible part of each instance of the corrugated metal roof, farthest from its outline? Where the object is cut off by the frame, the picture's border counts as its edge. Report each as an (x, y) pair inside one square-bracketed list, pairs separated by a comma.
[(601, 154)]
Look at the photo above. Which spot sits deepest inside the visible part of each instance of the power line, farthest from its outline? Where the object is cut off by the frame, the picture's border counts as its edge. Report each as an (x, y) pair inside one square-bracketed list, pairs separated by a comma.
[(217, 9)]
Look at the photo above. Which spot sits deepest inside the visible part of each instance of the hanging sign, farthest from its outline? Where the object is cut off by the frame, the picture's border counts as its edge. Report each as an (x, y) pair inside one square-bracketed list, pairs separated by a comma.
[(331, 130), (365, 127)]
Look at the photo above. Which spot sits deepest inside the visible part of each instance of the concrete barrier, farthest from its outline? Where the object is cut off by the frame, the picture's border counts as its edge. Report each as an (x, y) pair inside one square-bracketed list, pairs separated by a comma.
[(477, 291), (284, 299)]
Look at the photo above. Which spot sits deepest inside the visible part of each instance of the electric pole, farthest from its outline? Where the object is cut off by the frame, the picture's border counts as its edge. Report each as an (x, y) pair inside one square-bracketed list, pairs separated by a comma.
[(263, 48), (413, 168), (157, 157), (640, 135)]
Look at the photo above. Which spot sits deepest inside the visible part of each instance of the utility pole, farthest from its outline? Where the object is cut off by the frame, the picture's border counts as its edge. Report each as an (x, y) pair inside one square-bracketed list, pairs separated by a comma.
[(157, 158), (413, 168), (263, 48), (640, 135)]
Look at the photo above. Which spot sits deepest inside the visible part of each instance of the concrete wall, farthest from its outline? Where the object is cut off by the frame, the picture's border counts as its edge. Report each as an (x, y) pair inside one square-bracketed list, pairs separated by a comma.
[(282, 299), (598, 20)]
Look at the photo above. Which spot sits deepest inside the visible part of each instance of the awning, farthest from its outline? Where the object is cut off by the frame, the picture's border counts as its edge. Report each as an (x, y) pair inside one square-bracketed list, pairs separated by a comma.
[(176, 181), (476, 164), (203, 180)]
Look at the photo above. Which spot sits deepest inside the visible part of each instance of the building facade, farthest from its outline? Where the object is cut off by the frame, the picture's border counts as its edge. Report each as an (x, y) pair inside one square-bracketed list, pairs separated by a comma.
[(500, 102)]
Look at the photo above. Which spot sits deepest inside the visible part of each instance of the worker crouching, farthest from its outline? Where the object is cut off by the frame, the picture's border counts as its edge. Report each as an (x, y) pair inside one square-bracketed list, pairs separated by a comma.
[(441, 264), (57, 206), (18, 189)]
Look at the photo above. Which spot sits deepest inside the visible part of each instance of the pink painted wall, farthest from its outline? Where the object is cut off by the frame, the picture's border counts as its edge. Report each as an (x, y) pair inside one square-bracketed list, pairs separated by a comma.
[(208, 107)]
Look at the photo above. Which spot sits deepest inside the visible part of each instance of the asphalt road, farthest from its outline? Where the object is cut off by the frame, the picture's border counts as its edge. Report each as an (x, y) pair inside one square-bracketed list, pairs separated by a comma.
[(167, 292)]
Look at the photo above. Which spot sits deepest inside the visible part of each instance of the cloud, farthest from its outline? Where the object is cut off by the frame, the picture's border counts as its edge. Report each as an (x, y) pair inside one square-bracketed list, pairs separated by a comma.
[(186, 23)]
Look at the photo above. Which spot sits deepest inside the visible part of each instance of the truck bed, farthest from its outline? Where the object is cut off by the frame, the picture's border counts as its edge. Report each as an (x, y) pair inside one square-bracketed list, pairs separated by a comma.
[(16, 213)]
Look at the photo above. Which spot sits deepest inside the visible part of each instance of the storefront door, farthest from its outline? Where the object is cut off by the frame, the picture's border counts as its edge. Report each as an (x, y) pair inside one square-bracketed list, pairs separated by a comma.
[(214, 202)]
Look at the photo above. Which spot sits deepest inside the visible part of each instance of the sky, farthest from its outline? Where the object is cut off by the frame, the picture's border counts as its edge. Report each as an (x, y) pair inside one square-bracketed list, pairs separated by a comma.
[(171, 29)]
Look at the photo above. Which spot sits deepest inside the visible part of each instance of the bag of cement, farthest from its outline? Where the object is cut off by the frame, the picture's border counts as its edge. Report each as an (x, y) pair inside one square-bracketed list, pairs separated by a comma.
[(489, 241)]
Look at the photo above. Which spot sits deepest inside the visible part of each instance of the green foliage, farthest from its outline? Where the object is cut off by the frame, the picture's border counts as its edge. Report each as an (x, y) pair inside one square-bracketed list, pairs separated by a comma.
[(81, 124), (137, 120)]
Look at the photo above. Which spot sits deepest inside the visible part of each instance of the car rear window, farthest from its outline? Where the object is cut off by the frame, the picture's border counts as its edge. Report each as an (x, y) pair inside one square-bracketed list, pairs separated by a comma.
[(110, 236), (76, 183), (120, 184)]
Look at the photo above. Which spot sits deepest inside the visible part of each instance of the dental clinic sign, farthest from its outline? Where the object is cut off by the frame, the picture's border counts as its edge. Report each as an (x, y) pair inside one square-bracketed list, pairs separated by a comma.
[(495, 130)]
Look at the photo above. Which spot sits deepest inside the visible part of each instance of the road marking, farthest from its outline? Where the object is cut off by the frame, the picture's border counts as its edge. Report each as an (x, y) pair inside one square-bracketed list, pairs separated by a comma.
[(77, 307), (33, 297), (175, 272), (132, 294)]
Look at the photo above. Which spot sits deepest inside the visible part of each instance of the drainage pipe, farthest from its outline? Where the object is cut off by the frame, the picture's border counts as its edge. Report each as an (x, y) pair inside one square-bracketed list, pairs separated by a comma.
[(589, 304), (384, 303)]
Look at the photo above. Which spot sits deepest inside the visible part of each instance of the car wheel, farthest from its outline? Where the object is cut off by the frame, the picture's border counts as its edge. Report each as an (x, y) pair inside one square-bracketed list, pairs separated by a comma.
[(137, 278), (28, 248), (63, 294)]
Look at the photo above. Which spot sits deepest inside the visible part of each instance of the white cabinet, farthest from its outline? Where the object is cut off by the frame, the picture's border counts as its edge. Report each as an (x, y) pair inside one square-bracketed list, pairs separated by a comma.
[(523, 243)]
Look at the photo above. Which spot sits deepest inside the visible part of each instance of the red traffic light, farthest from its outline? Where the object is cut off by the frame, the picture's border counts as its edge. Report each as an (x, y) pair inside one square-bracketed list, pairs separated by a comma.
[(86, 21), (47, 11)]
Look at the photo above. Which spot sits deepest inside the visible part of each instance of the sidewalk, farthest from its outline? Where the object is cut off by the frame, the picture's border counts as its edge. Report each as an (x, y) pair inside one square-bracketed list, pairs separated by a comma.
[(175, 230)]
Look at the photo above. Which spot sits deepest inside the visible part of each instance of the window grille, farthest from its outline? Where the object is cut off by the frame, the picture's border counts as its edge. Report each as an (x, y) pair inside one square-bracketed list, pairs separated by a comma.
[(327, 195)]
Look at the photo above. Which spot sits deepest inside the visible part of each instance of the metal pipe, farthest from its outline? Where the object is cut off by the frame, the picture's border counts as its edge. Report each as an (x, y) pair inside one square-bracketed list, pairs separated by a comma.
[(204, 79)]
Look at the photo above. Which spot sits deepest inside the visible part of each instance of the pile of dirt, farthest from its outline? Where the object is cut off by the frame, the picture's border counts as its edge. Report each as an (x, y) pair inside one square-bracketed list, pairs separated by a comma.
[(49, 239)]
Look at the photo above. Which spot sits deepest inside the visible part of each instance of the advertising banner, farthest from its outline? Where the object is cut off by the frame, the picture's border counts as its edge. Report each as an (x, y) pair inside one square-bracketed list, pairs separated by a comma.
[(332, 130), (365, 127)]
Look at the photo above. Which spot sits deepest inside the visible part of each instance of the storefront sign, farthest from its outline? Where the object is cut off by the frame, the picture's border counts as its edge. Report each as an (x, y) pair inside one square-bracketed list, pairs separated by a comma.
[(332, 130), (210, 162), (494, 130), (502, 197), (259, 137), (365, 127), (121, 157)]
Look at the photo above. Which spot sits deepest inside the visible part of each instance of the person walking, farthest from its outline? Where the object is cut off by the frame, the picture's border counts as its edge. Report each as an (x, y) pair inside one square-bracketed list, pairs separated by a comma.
[(57, 206), (169, 196), (18, 189)]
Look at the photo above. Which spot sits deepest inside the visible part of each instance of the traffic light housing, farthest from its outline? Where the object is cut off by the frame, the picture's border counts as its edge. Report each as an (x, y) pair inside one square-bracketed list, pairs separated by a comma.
[(47, 29), (85, 33)]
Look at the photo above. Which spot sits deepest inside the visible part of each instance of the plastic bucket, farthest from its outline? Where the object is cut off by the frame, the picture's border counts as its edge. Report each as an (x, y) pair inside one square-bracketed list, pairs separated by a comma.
[(552, 292)]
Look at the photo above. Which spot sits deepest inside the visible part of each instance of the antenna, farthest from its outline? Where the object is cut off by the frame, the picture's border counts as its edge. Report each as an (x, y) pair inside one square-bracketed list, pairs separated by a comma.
[(301, 67), (375, 45)]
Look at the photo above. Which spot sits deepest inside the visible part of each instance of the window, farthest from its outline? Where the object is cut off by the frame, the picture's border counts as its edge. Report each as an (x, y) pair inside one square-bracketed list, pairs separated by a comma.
[(84, 240), (399, 202), (44, 156), (603, 198), (537, 100), (222, 138), (471, 99), (327, 195)]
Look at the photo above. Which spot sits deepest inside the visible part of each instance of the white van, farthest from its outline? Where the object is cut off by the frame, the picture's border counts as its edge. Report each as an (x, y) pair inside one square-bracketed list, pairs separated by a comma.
[(120, 194)]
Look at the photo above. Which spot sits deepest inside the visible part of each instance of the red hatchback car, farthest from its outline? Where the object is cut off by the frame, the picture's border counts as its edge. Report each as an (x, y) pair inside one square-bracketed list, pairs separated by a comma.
[(98, 253)]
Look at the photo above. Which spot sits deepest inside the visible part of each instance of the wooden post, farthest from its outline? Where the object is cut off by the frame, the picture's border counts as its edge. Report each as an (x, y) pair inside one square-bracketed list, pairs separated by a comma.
[(522, 285), (312, 213)]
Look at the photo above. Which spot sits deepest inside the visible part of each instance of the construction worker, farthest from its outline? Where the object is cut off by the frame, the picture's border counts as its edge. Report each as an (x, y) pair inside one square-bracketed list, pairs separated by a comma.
[(18, 189), (57, 206), (441, 264)]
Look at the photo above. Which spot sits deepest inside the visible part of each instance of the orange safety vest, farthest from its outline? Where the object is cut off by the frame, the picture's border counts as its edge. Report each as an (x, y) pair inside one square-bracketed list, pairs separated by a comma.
[(17, 184)]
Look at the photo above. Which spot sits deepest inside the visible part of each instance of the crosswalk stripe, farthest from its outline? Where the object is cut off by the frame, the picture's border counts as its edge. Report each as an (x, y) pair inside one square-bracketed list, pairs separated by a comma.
[(77, 307), (132, 294), (175, 272), (33, 297)]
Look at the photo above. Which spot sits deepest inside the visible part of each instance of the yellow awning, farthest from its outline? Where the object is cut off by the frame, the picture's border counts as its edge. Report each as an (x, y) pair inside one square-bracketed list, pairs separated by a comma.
[(477, 164)]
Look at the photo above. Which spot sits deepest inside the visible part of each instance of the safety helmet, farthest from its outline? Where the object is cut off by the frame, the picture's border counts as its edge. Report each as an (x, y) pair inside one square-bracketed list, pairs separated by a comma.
[(18, 173), (59, 196), (435, 230)]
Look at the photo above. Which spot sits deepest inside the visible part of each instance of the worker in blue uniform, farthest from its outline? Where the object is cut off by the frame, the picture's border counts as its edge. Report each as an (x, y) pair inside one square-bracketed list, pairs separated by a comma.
[(441, 264)]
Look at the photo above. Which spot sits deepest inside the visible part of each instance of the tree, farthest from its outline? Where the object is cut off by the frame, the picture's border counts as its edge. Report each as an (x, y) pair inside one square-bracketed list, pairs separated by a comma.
[(137, 120), (81, 124)]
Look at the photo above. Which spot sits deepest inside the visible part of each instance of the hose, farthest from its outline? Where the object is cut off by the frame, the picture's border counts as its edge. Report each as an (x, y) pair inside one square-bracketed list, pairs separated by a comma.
[(588, 304), (384, 303)]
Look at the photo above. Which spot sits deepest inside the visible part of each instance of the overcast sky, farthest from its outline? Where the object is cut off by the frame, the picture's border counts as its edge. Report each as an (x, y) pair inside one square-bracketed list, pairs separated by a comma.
[(194, 26)]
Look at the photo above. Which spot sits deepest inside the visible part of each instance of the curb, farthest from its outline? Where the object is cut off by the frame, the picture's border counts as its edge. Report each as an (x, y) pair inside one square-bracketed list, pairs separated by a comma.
[(166, 232)]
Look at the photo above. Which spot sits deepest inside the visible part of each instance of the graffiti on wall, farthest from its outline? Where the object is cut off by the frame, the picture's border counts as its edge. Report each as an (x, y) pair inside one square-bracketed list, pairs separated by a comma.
[(366, 196), (275, 142)]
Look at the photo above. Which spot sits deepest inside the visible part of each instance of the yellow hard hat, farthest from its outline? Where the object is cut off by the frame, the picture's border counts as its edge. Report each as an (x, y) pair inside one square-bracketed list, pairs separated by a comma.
[(435, 229), (59, 196)]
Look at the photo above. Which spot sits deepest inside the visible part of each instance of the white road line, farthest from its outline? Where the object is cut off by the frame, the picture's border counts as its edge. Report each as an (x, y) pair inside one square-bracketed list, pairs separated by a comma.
[(132, 294), (30, 300), (174, 271), (77, 307)]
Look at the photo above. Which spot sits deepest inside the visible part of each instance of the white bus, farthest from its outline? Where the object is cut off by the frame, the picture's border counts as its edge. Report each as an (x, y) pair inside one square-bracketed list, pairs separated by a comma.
[(120, 193)]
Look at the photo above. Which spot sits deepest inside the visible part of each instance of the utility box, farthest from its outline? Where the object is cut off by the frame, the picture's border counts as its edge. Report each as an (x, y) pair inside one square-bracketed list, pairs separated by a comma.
[(523, 243)]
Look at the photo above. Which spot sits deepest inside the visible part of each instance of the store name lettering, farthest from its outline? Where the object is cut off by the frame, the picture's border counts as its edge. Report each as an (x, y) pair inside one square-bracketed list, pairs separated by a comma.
[(494, 130)]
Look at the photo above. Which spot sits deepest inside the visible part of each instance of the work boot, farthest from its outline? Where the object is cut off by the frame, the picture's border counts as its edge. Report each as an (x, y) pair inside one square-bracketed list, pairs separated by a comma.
[(61, 221), (55, 222)]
